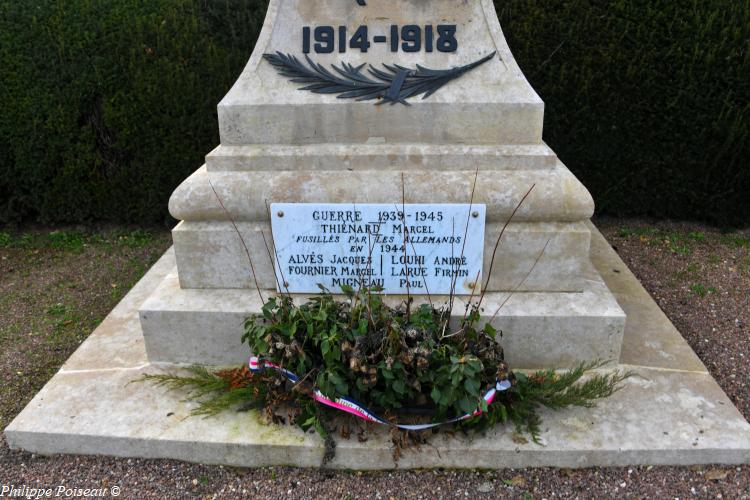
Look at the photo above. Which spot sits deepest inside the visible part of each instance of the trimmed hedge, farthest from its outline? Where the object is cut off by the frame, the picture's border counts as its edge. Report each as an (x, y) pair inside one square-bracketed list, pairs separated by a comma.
[(647, 101), (106, 105)]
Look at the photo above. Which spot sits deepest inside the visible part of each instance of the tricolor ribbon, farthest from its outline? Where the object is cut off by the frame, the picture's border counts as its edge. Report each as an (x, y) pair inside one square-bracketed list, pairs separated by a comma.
[(351, 406)]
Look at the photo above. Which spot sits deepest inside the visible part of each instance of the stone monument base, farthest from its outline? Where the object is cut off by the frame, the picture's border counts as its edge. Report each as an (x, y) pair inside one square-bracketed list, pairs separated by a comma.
[(670, 412)]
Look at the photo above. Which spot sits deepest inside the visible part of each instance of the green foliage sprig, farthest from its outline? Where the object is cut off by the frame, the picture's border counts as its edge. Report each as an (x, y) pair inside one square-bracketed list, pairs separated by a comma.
[(548, 389), (213, 393)]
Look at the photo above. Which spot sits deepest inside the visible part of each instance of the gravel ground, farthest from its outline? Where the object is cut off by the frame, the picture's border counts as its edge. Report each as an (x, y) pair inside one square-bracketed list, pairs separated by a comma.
[(55, 289)]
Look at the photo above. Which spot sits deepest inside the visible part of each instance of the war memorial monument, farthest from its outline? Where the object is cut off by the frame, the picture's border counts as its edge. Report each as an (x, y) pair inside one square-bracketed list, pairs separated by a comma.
[(352, 124)]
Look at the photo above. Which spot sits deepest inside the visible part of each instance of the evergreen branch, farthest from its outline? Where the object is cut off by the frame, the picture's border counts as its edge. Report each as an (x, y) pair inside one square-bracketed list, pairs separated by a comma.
[(212, 393), (556, 391), (200, 382), (549, 389), (393, 84), (222, 401)]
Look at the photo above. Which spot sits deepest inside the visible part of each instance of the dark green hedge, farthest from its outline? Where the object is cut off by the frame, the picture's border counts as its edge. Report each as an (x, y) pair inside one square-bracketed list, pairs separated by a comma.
[(106, 105), (647, 101)]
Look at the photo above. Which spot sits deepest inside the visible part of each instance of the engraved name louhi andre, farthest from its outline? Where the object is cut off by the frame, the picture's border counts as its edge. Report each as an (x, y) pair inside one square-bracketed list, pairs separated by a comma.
[(415, 248)]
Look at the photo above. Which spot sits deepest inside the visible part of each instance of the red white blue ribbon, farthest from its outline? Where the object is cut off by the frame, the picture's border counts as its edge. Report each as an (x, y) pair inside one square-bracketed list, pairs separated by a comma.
[(349, 405)]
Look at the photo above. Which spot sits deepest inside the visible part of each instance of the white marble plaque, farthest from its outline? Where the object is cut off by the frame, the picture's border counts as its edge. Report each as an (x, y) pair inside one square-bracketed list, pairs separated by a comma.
[(433, 249)]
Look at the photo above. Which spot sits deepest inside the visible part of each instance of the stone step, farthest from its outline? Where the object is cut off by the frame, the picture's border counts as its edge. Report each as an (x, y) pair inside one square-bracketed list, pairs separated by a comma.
[(557, 196), (373, 156), (539, 330), (658, 418)]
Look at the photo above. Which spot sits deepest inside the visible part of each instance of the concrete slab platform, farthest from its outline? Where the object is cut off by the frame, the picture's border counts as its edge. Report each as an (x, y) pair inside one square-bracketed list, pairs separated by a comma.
[(671, 412)]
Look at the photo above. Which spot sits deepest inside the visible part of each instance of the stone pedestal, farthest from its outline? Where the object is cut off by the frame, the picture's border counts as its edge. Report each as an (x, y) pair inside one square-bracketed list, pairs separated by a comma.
[(281, 144)]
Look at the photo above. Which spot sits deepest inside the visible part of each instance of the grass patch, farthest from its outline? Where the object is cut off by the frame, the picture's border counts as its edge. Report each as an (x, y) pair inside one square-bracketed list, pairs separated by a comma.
[(66, 323), (138, 238), (681, 243), (626, 232), (676, 243), (75, 241), (7, 334), (689, 273), (702, 290), (65, 240), (57, 309), (735, 241), (745, 262)]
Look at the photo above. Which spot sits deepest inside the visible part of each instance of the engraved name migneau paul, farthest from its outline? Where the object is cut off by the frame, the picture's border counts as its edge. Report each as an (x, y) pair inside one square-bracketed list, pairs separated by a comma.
[(393, 84)]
